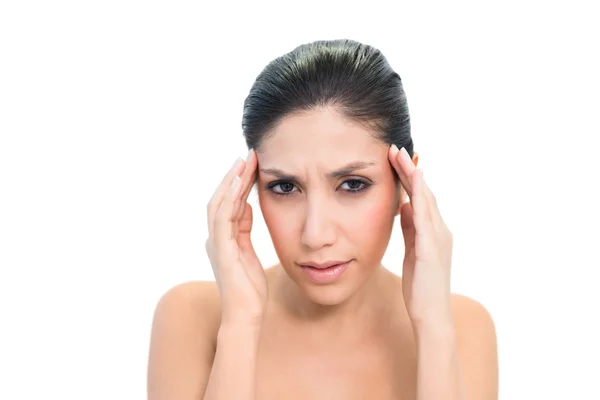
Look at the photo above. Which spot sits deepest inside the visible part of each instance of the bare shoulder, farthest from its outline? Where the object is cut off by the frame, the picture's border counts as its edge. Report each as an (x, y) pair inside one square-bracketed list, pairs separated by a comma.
[(193, 305), (183, 340), (477, 347), (199, 298), (473, 323), (470, 314)]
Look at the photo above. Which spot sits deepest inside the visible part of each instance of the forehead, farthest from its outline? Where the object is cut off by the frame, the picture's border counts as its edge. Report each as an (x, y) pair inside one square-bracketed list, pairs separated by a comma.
[(318, 136)]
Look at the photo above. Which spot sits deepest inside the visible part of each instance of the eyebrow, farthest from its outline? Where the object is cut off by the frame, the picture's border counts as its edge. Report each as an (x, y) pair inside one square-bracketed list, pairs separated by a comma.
[(345, 170)]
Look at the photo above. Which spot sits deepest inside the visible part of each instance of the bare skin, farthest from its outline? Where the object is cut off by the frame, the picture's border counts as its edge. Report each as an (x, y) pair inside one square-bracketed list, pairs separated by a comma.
[(371, 357), (271, 333)]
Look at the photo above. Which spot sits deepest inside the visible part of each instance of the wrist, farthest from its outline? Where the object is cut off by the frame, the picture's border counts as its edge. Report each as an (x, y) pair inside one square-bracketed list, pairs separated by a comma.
[(242, 320), (239, 331), (439, 326)]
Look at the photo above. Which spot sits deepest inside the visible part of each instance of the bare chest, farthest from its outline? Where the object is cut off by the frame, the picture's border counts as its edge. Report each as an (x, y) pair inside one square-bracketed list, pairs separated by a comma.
[(362, 369)]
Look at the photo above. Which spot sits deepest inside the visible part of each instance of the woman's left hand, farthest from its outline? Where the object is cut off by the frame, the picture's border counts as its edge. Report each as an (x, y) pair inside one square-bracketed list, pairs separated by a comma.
[(428, 247)]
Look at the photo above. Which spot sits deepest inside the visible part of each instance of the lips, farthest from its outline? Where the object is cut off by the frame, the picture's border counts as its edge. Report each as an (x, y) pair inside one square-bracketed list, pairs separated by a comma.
[(324, 265), (325, 273)]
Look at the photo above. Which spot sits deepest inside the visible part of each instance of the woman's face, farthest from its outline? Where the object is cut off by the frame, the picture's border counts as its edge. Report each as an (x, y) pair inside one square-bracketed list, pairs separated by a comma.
[(316, 216)]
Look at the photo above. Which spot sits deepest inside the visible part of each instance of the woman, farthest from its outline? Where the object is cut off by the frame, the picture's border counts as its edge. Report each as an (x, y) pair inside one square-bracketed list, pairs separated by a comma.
[(324, 124)]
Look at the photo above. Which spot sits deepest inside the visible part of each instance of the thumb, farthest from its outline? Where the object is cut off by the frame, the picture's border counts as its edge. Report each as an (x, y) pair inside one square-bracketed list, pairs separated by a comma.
[(245, 227), (245, 223)]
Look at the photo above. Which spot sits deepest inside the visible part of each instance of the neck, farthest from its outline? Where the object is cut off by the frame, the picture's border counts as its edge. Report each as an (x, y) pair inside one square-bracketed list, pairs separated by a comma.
[(364, 306)]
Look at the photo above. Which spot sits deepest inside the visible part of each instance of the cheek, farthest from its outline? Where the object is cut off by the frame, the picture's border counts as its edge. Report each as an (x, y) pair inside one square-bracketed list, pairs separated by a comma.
[(277, 218), (373, 224), (368, 224), (376, 219)]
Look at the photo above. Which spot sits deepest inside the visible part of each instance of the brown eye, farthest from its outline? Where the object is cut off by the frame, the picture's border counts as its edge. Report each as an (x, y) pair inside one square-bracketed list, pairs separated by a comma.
[(285, 188), (355, 186)]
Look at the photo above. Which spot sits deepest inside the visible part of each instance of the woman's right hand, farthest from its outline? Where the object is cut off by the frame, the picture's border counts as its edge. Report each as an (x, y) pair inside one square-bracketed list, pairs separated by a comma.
[(239, 274)]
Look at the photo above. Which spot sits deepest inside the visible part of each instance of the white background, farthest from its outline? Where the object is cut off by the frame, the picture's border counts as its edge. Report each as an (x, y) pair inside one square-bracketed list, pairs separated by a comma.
[(119, 118)]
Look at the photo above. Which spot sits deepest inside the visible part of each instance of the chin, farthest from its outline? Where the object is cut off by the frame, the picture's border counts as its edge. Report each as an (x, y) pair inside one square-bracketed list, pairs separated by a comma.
[(326, 295), (331, 294)]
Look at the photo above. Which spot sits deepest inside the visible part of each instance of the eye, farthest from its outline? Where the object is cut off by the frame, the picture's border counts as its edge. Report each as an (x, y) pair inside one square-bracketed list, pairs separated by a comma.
[(353, 186), (286, 188), (356, 185)]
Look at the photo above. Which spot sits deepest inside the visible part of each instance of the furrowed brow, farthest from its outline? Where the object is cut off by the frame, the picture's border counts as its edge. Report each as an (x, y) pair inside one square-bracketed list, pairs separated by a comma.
[(350, 168), (345, 170)]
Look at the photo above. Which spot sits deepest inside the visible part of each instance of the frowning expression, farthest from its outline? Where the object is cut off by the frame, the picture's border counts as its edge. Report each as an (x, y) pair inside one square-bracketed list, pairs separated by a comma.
[(327, 192)]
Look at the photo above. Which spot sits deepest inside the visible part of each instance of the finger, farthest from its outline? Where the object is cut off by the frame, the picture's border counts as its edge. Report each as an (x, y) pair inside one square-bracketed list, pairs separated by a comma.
[(217, 198), (247, 182), (224, 218), (393, 158), (245, 229), (408, 227), (408, 168), (421, 217), (432, 205), (406, 216), (432, 214)]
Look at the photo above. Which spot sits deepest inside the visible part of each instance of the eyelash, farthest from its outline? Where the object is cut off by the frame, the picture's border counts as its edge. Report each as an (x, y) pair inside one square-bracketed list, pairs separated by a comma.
[(365, 186)]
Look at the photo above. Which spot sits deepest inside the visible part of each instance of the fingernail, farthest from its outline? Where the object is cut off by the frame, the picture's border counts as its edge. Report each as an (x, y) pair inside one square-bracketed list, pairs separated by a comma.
[(236, 163), (394, 149), (249, 153), (405, 153)]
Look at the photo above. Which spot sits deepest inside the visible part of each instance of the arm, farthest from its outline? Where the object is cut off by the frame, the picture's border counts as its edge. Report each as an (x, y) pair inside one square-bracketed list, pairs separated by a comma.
[(438, 373), (242, 285), (204, 341), (455, 336), (182, 343), (233, 374), (186, 362), (457, 358)]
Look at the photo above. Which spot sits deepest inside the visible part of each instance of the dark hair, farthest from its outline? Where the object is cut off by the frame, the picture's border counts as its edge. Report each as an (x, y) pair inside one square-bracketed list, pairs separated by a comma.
[(354, 79)]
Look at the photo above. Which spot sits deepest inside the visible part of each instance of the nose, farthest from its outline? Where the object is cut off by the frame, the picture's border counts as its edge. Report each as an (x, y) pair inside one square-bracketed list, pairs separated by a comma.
[(319, 230)]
